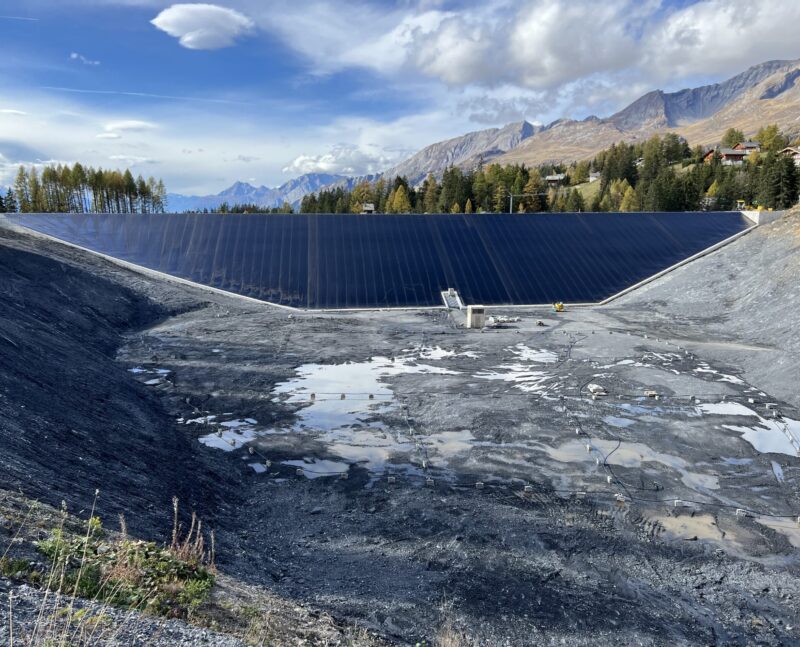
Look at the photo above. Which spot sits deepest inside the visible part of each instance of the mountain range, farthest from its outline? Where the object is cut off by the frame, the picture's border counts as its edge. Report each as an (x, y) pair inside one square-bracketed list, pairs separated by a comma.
[(763, 94), (244, 193)]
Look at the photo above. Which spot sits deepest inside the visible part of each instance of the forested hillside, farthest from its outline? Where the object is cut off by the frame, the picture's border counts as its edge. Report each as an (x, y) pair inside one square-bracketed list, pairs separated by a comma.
[(661, 174)]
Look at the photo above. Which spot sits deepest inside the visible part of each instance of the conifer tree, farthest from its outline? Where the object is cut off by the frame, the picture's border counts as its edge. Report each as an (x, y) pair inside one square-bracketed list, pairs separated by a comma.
[(10, 202), (629, 201), (575, 201), (501, 199), (401, 203), (732, 137), (22, 191), (431, 198)]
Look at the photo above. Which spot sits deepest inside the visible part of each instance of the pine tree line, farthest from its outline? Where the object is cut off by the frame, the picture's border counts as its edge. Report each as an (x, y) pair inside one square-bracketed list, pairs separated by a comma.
[(78, 189), (661, 174), (488, 189)]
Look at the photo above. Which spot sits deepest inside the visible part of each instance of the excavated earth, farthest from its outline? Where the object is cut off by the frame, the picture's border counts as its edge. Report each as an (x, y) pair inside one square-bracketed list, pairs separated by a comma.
[(431, 483)]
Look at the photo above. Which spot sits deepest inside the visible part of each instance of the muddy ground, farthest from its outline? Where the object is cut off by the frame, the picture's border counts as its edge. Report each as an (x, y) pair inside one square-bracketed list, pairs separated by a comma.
[(397, 470)]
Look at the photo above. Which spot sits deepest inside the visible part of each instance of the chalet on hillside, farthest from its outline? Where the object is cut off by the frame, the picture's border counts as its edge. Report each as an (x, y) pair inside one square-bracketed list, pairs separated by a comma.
[(368, 207), (748, 147), (555, 180), (793, 152), (729, 156)]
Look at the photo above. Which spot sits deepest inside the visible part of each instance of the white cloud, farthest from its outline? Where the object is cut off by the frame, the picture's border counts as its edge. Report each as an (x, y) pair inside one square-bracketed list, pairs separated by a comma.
[(342, 159), (722, 37), (132, 160), (74, 56), (372, 145), (130, 125), (109, 136), (9, 111), (203, 26), (535, 44)]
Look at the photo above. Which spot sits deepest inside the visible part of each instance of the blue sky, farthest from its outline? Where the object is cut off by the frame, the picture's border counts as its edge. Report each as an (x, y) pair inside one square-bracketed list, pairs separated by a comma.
[(203, 94)]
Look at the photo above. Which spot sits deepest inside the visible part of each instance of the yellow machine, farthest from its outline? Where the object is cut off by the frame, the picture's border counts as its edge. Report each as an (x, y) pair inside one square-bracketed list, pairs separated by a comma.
[(558, 307)]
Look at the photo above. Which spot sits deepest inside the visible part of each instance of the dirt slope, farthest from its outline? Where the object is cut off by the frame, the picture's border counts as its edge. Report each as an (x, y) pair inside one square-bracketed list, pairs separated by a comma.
[(72, 420)]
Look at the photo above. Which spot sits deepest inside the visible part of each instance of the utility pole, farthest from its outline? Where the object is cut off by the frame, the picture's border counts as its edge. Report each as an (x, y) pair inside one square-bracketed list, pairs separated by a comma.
[(511, 197)]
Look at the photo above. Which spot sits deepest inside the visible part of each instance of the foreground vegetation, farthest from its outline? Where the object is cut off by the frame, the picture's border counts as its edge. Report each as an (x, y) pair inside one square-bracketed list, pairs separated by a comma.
[(96, 586)]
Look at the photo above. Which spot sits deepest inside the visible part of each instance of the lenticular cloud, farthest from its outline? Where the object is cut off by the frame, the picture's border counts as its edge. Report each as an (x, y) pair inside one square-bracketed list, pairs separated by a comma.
[(203, 26)]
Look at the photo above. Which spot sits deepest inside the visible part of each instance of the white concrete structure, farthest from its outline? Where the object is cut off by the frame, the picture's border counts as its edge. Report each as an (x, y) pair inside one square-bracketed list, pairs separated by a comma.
[(476, 316), (763, 217)]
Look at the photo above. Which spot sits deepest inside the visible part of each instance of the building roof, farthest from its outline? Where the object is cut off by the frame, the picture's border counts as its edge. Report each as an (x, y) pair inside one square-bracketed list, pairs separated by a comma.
[(747, 145), (725, 152), (555, 178)]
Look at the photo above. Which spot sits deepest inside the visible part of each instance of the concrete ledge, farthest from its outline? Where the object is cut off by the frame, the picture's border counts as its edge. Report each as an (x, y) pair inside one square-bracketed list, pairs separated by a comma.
[(763, 217)]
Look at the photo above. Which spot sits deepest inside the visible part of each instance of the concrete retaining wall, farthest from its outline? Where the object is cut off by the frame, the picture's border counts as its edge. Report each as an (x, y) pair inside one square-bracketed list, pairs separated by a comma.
[(763, 217)]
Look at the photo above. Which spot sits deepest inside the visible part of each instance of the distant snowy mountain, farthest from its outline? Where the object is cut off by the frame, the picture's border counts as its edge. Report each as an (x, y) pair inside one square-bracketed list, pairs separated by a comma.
[(244, 193)]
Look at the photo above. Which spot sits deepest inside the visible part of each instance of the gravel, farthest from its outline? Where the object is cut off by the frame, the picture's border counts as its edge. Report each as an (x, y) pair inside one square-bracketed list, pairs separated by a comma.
[(111, 627)]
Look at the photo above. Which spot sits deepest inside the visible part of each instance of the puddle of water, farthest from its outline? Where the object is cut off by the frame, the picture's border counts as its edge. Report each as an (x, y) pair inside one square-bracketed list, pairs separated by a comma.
[(614, 421), (787, 527), (371, 447), (356, 380), (161, 372), (777, 470), (444, 446), (723, 377), (768, 436), (314, 469), (344, 425), (737, 461), (630, 455), (533, 355), (521, 375), (229, 440), (202, 420), (238, 424), (437, 353), (726, 409)]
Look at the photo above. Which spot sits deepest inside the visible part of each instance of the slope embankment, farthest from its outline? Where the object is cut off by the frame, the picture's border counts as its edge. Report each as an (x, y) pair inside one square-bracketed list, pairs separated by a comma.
[(740, 304), (72, 420)]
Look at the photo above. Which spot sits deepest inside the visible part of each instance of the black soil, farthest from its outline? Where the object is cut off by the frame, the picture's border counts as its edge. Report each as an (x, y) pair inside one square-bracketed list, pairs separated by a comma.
[(72, 420)]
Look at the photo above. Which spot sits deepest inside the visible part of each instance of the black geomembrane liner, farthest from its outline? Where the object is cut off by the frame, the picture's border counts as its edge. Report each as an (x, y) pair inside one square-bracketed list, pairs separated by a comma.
[(363, 261)]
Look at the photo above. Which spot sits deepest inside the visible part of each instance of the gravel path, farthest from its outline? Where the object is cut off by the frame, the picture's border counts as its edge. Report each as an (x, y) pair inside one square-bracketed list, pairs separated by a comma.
[(94, 624)]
